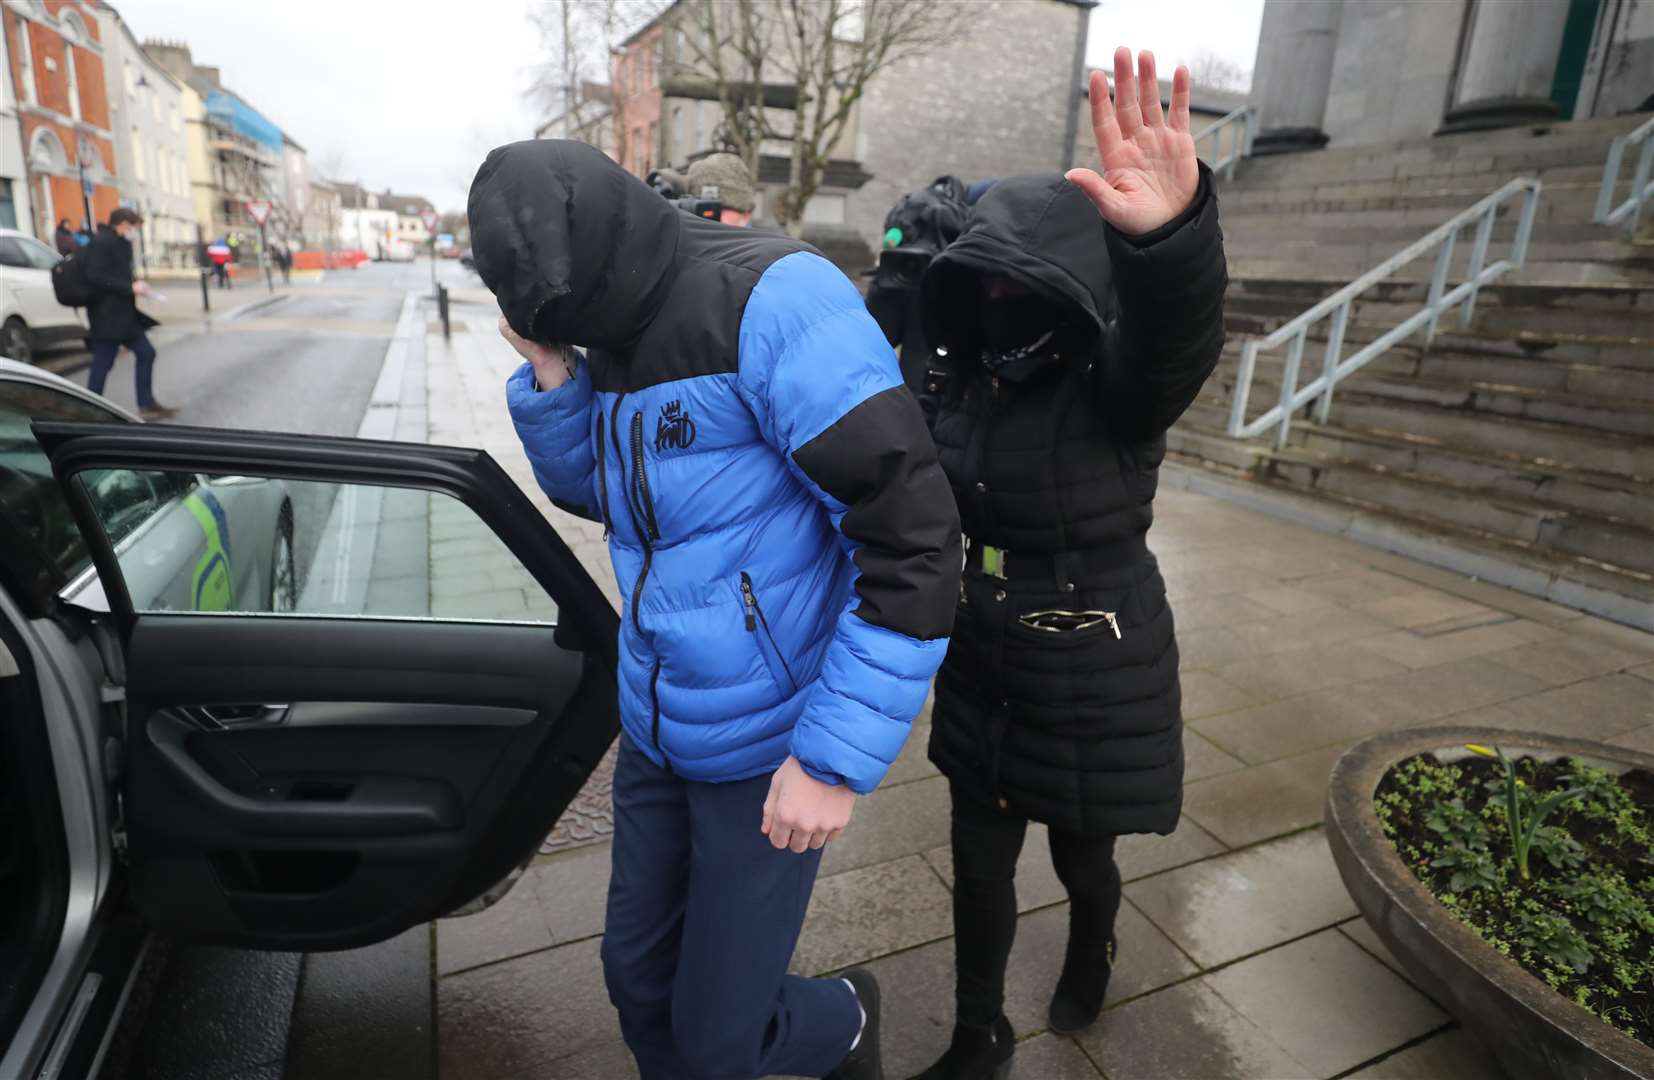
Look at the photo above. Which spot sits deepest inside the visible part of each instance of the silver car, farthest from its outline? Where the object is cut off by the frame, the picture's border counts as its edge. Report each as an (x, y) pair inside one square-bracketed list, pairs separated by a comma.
[(267, 691)]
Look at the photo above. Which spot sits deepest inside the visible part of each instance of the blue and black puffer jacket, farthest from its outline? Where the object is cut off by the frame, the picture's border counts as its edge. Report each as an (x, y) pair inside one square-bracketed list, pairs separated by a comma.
[(787, 548)]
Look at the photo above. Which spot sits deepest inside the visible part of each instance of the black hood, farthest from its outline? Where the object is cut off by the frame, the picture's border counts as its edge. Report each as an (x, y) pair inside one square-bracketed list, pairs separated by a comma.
[(576, 250), (1039, 230)]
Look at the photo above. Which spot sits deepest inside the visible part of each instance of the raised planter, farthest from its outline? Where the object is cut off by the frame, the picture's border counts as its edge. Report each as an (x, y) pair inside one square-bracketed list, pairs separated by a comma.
[(1533, 1030)]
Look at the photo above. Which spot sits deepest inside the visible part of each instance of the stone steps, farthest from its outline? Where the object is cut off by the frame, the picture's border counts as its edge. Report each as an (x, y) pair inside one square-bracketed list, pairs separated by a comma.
[(1529, 436), (1481, 497), (1591, 413)]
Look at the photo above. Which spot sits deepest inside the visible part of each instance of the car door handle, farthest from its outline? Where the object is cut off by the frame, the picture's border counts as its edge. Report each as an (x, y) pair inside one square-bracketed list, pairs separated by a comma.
[(376, 805)]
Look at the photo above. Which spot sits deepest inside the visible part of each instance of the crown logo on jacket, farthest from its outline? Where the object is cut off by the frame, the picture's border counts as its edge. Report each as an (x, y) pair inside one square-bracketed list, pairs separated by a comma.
[(674, 430)]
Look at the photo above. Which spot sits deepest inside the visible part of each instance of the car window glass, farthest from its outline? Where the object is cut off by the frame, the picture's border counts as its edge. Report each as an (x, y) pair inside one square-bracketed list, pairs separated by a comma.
[(30, 500), (37, 254), (252, 544), (11, 253)]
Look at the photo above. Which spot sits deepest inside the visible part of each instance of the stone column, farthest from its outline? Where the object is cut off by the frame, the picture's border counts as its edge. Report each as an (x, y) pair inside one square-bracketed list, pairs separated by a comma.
[(1293, 72), (1507, 65)]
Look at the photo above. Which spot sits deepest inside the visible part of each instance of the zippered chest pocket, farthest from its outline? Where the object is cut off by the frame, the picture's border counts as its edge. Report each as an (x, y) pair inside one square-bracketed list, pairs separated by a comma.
[(759, 628)]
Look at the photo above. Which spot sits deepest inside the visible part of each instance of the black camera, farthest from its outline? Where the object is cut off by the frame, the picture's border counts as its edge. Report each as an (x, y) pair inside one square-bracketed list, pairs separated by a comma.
[(670, 185)]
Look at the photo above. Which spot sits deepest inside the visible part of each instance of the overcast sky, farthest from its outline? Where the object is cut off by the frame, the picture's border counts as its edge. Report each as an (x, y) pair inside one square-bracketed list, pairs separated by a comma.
[(411, 94)]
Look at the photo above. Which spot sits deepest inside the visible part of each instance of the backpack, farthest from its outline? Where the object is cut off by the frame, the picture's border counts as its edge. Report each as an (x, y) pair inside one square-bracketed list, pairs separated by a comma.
[(69, 282)]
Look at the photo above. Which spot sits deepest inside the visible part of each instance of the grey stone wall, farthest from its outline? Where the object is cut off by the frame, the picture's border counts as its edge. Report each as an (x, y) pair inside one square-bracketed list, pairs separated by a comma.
[(1391, 75), (997, 100)]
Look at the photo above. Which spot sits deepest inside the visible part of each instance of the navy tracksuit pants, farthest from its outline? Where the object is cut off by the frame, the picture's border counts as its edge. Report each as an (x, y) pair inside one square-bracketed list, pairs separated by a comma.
[(702, 921)]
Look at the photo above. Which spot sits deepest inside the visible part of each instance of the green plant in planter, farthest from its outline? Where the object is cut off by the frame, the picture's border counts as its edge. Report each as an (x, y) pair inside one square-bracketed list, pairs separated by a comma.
[(1523, 817)]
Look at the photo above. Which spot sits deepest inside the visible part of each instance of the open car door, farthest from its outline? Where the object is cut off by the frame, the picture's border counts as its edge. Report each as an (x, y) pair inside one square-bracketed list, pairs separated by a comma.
[(362, 680)]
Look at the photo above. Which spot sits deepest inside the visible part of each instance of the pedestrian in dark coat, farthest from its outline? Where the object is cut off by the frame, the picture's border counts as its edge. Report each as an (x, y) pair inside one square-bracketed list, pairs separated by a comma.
[(1075, 319), (113, 312), (64, 238)]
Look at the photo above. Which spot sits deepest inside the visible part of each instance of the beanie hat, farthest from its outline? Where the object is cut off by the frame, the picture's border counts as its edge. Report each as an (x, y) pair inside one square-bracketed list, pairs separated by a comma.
[(727, 177)]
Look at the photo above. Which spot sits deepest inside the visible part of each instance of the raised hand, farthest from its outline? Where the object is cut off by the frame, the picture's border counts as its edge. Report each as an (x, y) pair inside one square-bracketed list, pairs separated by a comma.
[(1149, 173)]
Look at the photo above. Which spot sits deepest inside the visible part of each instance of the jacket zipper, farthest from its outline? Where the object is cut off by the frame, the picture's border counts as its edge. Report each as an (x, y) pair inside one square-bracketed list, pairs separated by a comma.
[(755, 617), (648, 556), (642, 478), (603, 477), (640, 484), (1113, 623)]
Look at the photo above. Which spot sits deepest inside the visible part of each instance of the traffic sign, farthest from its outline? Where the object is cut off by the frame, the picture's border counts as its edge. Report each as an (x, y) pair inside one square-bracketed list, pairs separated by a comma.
[(429, 218), (259, 209)]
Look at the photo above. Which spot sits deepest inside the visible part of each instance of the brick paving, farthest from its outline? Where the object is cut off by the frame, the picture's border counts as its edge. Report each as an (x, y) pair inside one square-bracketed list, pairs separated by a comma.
[(1241, 953)]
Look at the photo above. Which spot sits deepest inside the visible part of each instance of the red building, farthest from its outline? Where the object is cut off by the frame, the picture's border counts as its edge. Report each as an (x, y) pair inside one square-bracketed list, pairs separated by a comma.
[(637, 100), (57, 71)]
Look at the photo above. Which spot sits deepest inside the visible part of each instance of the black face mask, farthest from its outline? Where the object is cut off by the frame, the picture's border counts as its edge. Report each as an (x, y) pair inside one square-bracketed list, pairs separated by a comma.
[(1011, 322)]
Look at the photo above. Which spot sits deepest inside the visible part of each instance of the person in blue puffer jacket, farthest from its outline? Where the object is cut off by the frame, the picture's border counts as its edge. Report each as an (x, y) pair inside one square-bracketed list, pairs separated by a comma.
[(788, 553)]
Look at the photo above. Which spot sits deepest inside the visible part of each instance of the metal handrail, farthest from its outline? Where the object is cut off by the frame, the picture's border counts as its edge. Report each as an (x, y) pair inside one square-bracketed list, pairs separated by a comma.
[(1240, 146), (1642, 185), (1335, 367)]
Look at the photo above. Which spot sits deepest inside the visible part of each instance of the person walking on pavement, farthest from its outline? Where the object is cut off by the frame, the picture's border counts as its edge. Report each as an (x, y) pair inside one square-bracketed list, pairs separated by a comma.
[(114, 315), (1075, 318), (219, 252), (788, 552), (64, 238)]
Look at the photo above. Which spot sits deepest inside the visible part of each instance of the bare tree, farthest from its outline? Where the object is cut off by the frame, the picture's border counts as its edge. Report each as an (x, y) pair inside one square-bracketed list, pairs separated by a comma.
[(1216, 72), (575, 90), (793, 71)]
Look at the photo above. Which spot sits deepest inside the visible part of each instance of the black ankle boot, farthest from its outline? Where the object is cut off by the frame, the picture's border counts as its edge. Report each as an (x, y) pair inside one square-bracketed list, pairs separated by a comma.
[(976, 1053), (1082, 986)]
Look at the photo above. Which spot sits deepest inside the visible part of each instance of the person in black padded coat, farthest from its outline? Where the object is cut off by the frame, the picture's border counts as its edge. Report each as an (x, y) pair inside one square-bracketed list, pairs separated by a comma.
[(1073, 321)]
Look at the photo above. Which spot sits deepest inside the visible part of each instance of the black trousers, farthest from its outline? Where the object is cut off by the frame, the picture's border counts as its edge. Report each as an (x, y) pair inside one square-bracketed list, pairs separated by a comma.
[(986, 844)]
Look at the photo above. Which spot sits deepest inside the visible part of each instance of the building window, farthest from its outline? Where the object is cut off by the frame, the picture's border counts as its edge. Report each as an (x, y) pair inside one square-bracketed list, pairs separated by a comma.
[(138, 149), (632, 63), (72, 32), (25, 59), (174, 119), (824, 210), (637, 150), (653, 146), (8, 207)]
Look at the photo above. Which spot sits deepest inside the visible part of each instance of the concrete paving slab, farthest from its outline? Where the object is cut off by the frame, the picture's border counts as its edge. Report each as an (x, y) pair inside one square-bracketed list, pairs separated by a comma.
[(1335, 717), (1185, 1031), (1640, 739), (1567, 660), (1416, 650), (1202, 757), (1361, 587), (610, 1062), (877, 910), (1220, 609), (1428, 694), (572, 889), (513, 927), (1594, 709), (1287, 599), (1645, 672), (1143, 854), (1233, 905), (1301, 671), (1359, 932), (1206, 693), (1453, 1053), (523, 1014), (1241, 808), (919, 984), (904, 819), (1327, 1002), (1050, 1057), (1423, 607)]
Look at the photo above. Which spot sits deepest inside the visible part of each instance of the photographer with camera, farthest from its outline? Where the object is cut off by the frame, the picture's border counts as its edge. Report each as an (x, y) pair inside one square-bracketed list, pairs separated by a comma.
[(717, 187)]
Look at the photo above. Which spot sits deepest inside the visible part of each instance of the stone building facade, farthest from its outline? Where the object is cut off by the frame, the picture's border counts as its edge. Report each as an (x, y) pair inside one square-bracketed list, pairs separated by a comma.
[(148, 115), (1381, 70), (996, 100)]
